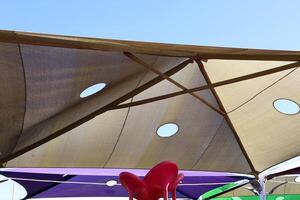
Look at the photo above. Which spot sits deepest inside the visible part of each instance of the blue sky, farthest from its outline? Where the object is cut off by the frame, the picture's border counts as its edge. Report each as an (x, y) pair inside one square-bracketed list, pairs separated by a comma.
[(268, 24)]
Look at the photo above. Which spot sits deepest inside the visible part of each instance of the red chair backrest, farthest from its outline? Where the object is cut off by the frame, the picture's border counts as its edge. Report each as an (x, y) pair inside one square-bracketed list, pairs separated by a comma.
[(134, 185), (160, 180), (162, 174), (130, 181), (175, 183)]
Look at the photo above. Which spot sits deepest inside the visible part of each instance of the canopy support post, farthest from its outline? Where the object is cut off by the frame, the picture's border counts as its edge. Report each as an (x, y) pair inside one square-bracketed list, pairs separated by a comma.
[(262, 191)]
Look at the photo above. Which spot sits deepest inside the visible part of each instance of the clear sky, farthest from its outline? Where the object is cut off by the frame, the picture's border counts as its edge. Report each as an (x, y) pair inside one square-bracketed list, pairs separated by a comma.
[(269, 24)]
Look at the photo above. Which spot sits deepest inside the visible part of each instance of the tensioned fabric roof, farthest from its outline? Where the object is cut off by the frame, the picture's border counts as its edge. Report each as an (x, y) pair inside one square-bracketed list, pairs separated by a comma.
[(221, 99)]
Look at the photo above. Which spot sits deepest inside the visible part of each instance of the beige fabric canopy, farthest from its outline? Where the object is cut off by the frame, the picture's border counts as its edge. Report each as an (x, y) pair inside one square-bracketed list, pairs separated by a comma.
[(221, 99)]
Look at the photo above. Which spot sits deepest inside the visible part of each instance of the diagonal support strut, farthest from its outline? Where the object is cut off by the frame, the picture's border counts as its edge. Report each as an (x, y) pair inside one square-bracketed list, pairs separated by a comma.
[(137, 60), (212, 85), (226, 117)]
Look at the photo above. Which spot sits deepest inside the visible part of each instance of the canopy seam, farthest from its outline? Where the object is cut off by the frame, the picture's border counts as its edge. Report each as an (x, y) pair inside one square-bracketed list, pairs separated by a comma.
[(212, 139), (256, 95), (25, 98), (126, 117)]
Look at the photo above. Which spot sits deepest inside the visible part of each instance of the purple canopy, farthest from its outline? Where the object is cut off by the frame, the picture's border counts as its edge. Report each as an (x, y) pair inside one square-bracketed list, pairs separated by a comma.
[(74, 182)]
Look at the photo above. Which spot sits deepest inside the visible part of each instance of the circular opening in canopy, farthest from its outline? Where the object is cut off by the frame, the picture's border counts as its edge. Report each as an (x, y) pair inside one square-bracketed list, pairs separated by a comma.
[(111, 183), (92, 90), (167, 130), (286, 106)]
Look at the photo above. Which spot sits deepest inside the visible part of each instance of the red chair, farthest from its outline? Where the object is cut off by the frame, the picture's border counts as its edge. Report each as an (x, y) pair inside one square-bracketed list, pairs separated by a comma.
[(158, 182), (173, 185), (135, 186)]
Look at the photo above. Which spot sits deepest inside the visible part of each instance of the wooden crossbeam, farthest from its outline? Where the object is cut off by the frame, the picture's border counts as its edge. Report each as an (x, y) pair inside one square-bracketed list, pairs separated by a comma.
[(141, 62), (214, 85), (150, 48)]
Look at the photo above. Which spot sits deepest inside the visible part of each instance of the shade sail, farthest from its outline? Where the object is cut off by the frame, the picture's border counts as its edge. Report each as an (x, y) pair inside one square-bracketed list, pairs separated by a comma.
[(66, 182), (220, 98)]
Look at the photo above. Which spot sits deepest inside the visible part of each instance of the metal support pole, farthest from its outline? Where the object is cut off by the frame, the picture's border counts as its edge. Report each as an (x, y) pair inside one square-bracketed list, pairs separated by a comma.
[(262, 191)]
